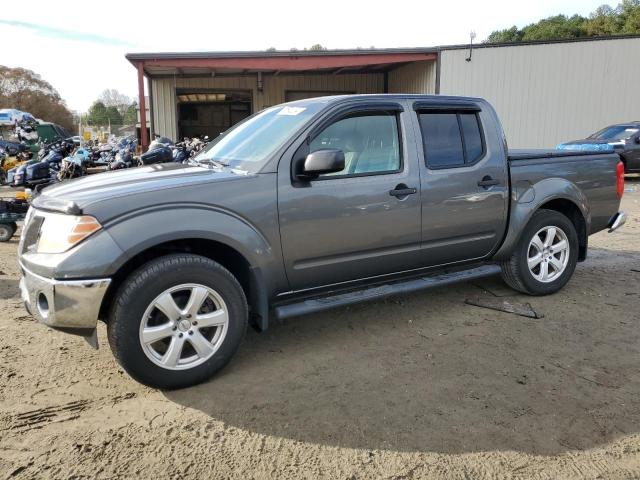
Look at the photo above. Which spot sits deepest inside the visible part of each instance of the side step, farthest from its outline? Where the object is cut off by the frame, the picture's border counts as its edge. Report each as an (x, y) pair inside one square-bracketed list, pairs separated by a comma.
[(422, 283)]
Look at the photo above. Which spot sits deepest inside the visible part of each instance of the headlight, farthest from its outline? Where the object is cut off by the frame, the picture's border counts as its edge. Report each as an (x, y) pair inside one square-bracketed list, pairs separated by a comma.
[(61, 232)]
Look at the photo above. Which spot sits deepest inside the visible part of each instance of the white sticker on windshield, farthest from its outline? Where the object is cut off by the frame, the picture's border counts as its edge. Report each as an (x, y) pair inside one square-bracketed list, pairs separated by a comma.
[(291, 110)]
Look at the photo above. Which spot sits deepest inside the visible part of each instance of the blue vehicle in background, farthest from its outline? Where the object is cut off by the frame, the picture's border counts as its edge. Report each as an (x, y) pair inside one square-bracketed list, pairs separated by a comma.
[(622, 138)]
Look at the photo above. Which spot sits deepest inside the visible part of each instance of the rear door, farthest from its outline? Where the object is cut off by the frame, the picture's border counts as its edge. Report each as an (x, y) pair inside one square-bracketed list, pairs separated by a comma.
[(464, 181), (363, 221)]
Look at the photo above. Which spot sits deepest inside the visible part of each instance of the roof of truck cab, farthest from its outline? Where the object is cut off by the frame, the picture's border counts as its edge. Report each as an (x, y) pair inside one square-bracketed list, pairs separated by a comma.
[(383, 96)]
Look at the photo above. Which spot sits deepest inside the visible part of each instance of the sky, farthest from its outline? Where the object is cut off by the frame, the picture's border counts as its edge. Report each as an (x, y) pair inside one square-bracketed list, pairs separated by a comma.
[(79, 47)]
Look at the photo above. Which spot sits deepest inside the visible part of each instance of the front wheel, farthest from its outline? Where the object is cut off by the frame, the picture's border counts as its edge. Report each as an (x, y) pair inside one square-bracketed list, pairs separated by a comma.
[(545, 257), (177, 320)]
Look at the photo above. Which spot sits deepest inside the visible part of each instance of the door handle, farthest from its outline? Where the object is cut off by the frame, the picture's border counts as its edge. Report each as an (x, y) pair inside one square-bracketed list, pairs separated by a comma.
[(402, 191), (487, 182)]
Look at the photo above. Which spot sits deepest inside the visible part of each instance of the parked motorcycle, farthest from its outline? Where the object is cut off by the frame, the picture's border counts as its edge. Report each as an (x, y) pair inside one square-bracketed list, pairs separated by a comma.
[(74, 165), (160, 151), (45, 170), (26, 132), (124, 154)]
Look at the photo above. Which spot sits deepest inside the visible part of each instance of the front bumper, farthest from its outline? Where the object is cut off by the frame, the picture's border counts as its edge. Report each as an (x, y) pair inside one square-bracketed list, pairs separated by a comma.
[(70, 305), (618, 220)]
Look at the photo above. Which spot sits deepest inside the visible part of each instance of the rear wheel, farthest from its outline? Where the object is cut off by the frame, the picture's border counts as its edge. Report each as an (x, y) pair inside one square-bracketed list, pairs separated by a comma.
[(545, 257), (177, 320)]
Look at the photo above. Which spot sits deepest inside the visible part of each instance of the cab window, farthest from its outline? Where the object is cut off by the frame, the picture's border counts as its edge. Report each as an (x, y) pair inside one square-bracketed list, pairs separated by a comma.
[(370, 143), (451, 139)]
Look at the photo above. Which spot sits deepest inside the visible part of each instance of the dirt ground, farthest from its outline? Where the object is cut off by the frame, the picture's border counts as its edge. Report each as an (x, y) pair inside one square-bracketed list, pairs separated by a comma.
[(419, 386)]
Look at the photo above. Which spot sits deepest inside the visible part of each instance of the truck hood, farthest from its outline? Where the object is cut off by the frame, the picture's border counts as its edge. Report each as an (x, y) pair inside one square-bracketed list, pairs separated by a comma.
[(75, 195)]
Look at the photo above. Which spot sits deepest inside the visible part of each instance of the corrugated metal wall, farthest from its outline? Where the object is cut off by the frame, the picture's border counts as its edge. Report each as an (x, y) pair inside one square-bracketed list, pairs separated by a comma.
[(418, 77), (547, 94), (274, 88)]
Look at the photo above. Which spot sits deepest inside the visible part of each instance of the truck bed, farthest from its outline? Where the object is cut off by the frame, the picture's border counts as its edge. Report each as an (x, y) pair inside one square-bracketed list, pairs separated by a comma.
[(593, 173)]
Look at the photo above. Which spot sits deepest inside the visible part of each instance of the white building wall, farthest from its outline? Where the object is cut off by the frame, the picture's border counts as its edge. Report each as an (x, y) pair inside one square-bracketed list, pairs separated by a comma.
[(418, 77), (549, 93)]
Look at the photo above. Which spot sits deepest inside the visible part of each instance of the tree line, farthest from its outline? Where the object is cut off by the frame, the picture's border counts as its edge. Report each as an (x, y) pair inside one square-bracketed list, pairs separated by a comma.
[(112, 108), (624, 19), (25, 90)]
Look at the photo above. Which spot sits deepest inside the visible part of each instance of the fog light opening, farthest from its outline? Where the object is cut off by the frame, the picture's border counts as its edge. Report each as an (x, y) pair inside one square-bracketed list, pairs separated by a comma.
[(43, 305)]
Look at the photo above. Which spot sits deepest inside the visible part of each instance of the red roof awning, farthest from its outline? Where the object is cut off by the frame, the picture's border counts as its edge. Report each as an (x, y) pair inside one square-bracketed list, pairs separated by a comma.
[(292, 62)]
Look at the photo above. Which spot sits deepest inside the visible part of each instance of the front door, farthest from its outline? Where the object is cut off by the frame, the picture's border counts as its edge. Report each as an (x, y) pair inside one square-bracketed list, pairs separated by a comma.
[(363, 221)]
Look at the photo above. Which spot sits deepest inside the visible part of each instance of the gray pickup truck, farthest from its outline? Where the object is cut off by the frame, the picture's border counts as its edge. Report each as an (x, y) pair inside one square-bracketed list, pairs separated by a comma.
[(302, 207)]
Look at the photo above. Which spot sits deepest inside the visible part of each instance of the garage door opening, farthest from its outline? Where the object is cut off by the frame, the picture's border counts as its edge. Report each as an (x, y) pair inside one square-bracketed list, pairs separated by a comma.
[(210, 113)]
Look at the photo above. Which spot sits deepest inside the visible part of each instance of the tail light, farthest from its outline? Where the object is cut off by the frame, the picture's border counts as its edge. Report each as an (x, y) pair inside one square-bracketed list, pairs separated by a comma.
[(620, 179)]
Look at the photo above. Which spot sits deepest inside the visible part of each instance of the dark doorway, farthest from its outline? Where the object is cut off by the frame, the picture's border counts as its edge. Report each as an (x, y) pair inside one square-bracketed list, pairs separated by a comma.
[(210, 112)]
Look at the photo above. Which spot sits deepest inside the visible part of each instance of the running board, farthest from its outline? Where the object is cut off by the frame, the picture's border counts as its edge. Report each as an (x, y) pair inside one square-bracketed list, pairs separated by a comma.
[(422, 283)]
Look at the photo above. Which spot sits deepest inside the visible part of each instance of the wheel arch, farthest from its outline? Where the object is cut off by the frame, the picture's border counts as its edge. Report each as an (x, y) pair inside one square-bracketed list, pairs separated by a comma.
[(555, 194), (250, 277), (570, 210)]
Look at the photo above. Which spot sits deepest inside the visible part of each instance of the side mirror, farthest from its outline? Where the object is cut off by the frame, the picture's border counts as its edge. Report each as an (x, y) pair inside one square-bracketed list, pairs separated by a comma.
[(322, 162), (637, 139)]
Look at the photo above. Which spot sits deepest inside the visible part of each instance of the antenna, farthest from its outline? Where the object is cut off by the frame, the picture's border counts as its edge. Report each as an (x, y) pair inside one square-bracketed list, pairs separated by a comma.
[(472, 36)]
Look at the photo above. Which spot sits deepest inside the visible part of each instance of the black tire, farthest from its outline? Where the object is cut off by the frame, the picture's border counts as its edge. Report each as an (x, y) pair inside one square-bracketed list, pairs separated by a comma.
[(6, 232), (515, 270), (138, 292)]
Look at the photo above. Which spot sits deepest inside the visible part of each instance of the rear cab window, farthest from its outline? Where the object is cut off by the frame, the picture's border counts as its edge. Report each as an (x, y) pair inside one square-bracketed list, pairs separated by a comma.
[(451, 138)]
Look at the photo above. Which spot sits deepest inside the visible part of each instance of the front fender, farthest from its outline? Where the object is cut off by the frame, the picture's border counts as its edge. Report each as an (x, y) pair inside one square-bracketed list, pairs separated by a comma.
[(143, 229), (527, 198)]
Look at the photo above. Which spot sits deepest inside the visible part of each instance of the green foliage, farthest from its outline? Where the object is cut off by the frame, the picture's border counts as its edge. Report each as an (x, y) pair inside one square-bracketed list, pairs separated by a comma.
[(97, 114), (100, 115), (113, 98), (604, 21), (113, 115), (130, 117), (508, 35)]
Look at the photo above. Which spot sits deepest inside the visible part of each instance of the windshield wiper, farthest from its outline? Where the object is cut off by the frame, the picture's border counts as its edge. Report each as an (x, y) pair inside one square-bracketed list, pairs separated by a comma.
[(209, 163)]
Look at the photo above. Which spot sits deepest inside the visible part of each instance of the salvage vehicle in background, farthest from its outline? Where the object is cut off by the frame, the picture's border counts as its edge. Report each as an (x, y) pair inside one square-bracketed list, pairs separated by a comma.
[(9, 116), (622, 138), (302, 207)]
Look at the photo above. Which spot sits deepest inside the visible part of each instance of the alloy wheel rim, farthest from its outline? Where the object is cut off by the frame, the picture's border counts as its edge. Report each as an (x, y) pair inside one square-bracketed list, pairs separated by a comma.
[(548, 254), (184, 326)]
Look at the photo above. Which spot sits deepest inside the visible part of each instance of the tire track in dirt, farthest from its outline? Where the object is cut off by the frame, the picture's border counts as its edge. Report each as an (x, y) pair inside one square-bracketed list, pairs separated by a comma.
[(41, 417)]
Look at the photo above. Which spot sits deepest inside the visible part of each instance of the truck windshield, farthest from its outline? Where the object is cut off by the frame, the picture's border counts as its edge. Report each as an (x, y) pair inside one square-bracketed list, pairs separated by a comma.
[(618, 132), (250, 143)]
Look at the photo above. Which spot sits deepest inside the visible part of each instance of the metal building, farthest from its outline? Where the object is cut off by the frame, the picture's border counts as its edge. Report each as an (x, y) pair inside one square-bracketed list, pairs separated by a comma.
[(544, 92)]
